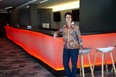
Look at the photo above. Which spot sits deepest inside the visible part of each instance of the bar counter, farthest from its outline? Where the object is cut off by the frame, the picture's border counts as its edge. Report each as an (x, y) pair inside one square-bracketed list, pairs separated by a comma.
[(49, 50)]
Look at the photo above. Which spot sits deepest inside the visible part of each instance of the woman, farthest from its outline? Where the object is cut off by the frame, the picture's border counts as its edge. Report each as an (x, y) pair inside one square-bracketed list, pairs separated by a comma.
[(72, 44)]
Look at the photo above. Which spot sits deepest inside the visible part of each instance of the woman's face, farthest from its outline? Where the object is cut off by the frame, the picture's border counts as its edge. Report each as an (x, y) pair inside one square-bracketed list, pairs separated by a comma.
[(68, 18)]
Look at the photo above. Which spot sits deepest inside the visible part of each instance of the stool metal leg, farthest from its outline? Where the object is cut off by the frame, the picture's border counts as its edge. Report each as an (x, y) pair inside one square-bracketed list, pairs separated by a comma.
[(82, 65), (113, 63), (80, 71), (102, 65), (90, 65), (106, 69), (94, 60), (106, 65)]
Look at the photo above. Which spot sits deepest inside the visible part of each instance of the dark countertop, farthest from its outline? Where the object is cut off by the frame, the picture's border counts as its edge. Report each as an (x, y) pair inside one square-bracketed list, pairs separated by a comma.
[(41, 30), (51, 31)]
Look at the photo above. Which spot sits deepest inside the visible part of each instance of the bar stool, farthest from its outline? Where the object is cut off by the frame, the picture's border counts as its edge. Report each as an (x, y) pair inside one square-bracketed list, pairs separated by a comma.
[(85, 51), (103, 51), (114, 59)]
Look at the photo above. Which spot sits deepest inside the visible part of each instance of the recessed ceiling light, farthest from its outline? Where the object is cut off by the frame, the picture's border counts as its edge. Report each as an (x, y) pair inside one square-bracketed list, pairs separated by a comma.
[(28, 6)]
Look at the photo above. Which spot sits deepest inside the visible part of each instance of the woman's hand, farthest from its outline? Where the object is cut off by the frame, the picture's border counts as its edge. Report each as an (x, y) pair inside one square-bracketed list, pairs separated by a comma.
[(81, 47), (55, 35)]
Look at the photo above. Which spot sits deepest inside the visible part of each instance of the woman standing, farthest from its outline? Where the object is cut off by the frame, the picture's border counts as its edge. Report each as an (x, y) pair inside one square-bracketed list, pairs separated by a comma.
[(72, 44)]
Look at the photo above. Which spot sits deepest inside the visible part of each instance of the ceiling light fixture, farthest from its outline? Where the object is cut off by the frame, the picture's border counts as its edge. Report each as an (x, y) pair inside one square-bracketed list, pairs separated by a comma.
[(8, 7), (71, 5), (43, 1), (27, 3)]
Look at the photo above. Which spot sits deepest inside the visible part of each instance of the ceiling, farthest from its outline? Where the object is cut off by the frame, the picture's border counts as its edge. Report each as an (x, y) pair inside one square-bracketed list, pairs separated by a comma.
[(14, 3), (24, 3)]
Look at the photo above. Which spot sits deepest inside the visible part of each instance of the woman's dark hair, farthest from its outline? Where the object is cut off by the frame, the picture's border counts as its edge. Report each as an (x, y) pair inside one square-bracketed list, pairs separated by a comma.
[(68, 13)]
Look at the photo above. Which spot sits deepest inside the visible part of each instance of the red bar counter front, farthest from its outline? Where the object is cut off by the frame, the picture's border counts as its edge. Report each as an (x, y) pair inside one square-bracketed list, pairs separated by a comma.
[(50, 50)]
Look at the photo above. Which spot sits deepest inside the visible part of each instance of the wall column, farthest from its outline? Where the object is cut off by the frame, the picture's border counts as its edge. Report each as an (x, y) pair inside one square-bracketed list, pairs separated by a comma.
[(34, 16)]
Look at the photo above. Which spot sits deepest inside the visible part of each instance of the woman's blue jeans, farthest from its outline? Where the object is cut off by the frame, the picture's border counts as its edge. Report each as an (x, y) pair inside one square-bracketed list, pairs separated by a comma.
[(73, 55)]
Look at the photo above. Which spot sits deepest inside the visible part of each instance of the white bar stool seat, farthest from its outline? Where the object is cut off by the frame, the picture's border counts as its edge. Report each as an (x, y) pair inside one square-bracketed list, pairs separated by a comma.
[(103, 51), (85, 51)]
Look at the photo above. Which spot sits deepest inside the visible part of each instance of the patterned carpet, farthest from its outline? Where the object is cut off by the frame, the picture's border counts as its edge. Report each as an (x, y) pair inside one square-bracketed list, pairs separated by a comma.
[(15, 62)]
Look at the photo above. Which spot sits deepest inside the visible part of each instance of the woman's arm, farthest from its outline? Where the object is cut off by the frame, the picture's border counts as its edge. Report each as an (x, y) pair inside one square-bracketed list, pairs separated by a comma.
[(79, 37), (58, 32)]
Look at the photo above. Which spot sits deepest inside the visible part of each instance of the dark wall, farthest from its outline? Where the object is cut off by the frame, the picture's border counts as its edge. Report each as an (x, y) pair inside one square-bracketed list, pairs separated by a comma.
[(34, 15), (97, 16), (24, 17), (4, 19), (14, 17), (44, 16), (30, 17)]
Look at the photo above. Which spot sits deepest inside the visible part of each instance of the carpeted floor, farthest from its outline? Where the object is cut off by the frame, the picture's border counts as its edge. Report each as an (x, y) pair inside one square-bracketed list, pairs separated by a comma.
[(15, 62)]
